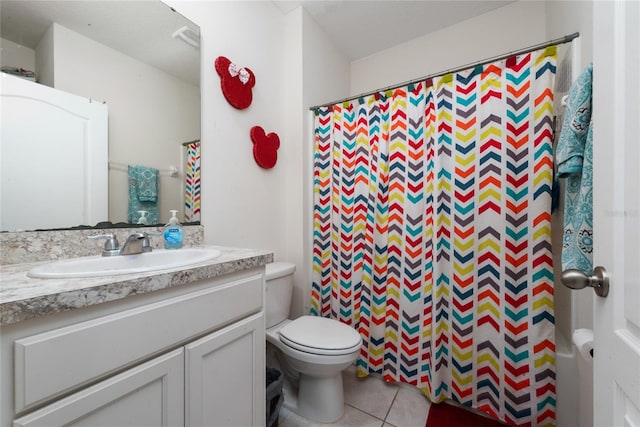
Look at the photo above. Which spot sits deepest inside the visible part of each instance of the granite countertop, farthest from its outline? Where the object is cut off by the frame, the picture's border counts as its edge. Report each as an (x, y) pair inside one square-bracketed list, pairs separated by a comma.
[(23, 298)]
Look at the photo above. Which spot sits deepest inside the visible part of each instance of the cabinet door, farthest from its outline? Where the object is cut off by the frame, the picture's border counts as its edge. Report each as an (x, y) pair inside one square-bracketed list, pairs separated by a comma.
[(151, 394), (225, 376)]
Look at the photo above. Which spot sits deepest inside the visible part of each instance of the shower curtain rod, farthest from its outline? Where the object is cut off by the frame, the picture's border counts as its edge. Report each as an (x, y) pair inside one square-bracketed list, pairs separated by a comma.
[(561, 40)]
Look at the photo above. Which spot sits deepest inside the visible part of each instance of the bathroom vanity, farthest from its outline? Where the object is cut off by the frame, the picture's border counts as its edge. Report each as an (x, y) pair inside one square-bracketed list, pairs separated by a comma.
[(174, 347)]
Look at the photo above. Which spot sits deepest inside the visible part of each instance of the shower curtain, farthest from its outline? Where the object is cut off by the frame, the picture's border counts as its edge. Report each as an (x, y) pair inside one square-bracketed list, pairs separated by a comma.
[(432, 234), (192, 183)]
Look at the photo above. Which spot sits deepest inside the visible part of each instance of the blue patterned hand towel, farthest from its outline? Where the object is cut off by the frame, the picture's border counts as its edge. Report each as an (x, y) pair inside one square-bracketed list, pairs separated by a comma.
[(574, 157), (143, 193), (146, 182)]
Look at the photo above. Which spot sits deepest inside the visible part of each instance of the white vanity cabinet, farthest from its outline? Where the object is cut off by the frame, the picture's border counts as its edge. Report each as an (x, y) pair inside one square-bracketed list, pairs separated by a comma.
[(190, 355)]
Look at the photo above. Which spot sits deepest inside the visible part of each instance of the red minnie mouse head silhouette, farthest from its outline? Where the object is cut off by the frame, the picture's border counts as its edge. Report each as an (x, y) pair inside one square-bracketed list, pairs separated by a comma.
[(265, 147), (236, 82)]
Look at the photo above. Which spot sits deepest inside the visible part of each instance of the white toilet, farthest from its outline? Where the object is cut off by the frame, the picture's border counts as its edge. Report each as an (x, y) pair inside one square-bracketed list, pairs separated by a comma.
[(317, 348)]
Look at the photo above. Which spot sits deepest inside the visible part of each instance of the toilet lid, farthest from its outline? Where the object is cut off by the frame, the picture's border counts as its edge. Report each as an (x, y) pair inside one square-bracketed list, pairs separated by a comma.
[(320, 335)]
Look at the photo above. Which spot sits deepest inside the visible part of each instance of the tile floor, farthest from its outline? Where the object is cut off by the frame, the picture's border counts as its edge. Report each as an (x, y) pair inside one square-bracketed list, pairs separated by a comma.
[(369, 402)]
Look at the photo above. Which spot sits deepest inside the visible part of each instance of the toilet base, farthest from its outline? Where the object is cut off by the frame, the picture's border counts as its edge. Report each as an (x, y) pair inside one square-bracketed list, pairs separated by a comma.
[(321, 399)]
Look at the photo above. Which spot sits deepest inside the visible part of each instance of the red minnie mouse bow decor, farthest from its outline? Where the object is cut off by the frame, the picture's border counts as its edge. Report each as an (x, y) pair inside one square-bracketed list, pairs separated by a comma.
[(265, 147), (236, 83)]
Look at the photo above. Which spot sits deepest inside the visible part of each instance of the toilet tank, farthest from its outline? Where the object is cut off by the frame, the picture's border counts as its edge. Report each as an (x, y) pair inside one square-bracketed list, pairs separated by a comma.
[(279, 280)]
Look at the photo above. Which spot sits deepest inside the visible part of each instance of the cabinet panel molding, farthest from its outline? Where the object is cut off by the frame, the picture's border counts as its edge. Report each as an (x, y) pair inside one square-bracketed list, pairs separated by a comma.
[(149, 394), (218, 390), (53, 363)]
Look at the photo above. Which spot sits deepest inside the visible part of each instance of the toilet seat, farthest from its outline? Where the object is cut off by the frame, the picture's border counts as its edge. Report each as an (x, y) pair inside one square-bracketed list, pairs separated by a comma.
[(319, 335)]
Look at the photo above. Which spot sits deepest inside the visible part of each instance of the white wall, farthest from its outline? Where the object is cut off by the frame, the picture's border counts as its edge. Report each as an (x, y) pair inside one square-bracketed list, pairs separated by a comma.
[(15, 55), (502, 30), (566, 17), (146, 124), (294, 133), (326, 70), (295, 67), (44, 59), (325, 78), (242, 204)]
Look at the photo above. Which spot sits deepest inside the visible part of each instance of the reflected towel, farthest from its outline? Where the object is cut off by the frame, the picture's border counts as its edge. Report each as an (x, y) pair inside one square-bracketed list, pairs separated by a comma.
[(574, 157), (146, 182), (143, 193)]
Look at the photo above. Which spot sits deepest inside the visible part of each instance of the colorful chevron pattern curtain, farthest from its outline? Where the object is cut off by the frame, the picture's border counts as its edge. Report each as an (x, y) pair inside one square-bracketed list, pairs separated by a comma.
[(432, 234), (192, 183)]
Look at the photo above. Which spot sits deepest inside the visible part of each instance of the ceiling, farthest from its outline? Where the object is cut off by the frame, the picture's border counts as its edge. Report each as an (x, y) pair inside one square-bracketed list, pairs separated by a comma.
[(360, 28)]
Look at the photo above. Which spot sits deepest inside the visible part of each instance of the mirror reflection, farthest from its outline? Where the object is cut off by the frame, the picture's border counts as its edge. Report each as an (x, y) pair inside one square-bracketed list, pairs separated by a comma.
[(138, 64)]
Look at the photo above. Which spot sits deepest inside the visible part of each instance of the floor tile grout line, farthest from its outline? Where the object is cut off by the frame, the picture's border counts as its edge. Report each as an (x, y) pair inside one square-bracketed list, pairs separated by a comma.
[(391, 406), (364, 412)]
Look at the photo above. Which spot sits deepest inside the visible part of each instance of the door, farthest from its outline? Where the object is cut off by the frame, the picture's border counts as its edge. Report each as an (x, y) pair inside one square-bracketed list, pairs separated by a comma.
[(225, 376), (616, 143), (148, 395), (54, 154)]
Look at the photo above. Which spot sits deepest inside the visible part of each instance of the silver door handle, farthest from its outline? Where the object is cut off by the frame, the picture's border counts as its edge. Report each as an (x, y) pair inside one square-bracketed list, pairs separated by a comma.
[(576, 279)]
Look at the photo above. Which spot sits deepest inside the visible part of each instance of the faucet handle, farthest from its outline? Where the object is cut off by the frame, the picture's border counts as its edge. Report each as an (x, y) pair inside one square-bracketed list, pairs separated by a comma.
[(146, 241), (111, 246)]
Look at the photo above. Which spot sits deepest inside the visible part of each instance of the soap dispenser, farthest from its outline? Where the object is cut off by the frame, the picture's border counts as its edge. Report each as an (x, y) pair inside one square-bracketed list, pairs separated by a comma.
[(173, 234), (144, 220)]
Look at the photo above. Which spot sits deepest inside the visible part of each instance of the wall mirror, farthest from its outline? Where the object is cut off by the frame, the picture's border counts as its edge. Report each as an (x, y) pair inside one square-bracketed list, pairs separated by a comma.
[(141, 59)]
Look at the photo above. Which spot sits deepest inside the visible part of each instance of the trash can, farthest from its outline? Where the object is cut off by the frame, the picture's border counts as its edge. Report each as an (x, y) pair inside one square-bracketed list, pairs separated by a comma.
[(274, 396)]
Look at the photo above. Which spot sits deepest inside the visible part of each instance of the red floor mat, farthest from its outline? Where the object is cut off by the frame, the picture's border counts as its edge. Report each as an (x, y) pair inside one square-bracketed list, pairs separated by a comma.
[(445, 415)]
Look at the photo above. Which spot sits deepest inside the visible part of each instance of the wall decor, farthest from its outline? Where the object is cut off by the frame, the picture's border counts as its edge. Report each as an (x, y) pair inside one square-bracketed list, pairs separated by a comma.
[(236, 82), (265, 147)]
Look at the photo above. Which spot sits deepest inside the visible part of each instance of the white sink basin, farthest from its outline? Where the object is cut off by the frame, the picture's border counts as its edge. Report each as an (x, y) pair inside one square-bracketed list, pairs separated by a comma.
[(98, 266)]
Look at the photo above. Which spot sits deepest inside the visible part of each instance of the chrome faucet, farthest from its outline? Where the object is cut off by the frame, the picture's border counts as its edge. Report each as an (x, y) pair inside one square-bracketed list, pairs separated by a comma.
[(136, 243), (133, 245)]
